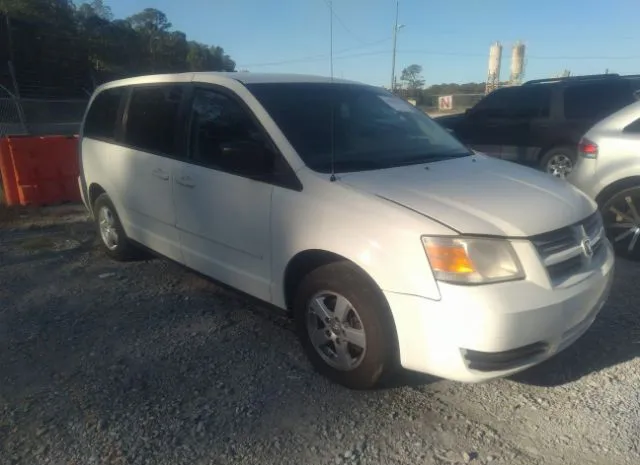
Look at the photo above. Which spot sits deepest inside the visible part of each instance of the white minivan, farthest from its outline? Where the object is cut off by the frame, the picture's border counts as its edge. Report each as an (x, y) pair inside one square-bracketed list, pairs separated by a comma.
[(389, 242)]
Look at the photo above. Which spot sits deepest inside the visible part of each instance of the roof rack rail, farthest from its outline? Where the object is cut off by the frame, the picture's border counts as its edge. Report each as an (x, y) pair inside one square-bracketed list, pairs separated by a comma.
[(587, 77)]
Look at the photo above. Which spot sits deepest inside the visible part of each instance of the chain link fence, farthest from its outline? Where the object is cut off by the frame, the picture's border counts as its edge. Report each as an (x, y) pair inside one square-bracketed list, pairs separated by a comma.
[(40, 117), (11, 121), (457, 103), (433, 104)]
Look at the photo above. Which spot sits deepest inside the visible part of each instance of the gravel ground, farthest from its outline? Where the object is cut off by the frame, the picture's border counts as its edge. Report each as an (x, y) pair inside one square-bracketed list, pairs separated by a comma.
[(145, 362)]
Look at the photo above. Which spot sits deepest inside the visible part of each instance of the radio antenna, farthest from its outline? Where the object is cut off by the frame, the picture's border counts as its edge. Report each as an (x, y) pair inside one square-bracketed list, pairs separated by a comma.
[(332, 178)]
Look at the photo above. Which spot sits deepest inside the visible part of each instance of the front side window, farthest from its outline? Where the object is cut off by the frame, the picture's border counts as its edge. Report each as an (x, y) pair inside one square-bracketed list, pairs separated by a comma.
[(218, 123), (515, 102), (152, 117), (102, 118), (494, 104), (363, 127), (531, 102)]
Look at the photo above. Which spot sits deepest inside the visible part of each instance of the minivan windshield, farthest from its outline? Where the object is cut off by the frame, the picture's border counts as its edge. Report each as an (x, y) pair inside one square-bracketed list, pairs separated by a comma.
[(368, 128)]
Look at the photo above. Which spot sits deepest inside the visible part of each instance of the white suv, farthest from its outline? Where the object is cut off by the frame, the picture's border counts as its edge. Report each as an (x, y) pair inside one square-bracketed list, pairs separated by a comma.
[(383, 235), (608, 170)]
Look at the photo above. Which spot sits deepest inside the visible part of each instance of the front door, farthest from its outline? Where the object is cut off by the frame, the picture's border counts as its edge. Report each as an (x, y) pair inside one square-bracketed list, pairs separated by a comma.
[(482, 128), (500, 124), (223, 215)]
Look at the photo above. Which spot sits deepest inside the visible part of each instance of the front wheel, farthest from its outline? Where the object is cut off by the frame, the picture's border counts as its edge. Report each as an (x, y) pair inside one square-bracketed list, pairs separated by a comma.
[(559, 161), (345, 325), (621, 216)]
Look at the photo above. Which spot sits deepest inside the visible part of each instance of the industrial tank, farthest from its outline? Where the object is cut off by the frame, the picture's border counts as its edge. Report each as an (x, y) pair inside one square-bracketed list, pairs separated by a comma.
[(517, 63)]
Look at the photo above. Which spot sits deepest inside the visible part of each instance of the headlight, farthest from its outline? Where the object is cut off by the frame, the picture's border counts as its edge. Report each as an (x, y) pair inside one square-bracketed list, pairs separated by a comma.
[(462, 260)]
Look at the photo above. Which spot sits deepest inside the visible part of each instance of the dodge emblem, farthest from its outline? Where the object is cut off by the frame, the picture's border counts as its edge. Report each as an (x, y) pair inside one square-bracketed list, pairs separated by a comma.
[(586, 248)]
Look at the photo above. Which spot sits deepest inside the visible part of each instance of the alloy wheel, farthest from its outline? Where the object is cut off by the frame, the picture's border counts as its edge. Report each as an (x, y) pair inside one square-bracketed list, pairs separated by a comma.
[(560, 165), (622, 221), (336, 331), (108, 232)]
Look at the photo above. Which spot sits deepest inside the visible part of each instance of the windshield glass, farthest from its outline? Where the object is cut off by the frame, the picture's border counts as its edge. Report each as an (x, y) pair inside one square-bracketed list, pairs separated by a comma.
[(372, 129)]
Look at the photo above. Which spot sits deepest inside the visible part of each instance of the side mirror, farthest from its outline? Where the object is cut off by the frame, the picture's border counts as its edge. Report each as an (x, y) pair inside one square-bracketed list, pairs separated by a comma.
[(249, 158)]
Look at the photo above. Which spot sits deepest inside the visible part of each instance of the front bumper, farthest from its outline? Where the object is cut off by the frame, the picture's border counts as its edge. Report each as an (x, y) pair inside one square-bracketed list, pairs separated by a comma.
[(476, 333)]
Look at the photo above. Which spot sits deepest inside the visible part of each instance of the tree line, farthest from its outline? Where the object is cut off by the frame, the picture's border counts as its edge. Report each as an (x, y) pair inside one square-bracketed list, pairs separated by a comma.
[(413, 87), (58, 46)]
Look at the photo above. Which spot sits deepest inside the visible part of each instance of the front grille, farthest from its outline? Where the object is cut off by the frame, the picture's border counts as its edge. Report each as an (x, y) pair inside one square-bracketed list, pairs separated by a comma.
[(562, 251)]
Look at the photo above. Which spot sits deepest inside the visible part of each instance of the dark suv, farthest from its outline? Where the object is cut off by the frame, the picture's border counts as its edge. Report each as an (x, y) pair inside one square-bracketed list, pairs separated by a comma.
[(541, 122)]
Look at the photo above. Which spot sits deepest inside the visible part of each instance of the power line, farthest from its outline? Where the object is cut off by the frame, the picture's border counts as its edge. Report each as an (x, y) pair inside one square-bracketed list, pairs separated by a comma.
[(318, 57), (628, 57), (342, 23), (315, 58)]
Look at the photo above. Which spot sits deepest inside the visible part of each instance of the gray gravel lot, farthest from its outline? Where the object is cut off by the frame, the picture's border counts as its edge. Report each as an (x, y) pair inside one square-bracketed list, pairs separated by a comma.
[(146, 362)]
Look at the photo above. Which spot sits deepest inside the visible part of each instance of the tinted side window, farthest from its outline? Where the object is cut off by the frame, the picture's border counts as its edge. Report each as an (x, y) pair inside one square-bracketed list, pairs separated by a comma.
[(534, 101), (633, 127), (595, 100), (494, 104), (152, 118), (217, 121), (101, 121)]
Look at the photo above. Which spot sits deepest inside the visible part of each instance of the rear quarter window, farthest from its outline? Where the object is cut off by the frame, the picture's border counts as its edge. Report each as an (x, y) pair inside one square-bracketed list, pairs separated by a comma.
[(102, 118), (595, 100)]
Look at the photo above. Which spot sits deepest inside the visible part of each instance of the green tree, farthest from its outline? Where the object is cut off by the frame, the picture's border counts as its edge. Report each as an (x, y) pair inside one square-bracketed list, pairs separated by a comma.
[(55, 45), (149, 21), (95, 8), (412, 76)]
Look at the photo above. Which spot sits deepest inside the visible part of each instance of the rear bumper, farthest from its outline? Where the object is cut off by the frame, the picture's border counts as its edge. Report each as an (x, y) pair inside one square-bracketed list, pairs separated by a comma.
[(478, 333), (585, 177)]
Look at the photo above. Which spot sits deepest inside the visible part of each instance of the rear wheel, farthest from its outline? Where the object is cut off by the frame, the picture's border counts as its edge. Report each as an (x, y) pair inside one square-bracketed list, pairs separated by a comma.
[(621, 215), (345, 325), (559, 161), (112, 235)]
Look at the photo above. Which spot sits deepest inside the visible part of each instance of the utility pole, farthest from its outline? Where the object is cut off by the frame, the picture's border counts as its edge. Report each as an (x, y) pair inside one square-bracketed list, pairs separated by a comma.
[(331, 34), (393, 56)]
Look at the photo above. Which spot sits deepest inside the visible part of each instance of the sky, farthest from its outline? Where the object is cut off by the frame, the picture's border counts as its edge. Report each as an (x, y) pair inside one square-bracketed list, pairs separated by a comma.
[(450, 39)]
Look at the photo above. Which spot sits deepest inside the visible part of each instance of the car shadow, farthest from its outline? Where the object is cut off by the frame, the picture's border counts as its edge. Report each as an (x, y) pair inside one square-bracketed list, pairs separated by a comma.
[(143, 361), (613, 338)]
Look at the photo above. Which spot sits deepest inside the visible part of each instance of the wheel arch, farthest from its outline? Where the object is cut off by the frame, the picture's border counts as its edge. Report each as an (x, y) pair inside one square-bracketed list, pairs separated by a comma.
[(302, 264), (95, 190), (611, 189), (559, 143), (308, 260)]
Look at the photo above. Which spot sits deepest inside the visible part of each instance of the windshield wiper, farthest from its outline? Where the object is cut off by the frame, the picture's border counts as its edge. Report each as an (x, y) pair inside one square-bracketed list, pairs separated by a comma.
[(429, 158), (352, 165)]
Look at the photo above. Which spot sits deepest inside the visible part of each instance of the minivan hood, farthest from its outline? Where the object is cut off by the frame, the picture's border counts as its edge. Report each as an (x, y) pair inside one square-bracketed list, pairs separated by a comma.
[(479, 195)]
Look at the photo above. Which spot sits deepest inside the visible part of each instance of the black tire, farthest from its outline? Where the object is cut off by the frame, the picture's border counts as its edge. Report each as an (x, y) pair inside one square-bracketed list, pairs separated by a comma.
[(123, 250), (622, 237), (556, 154), (379, 359)]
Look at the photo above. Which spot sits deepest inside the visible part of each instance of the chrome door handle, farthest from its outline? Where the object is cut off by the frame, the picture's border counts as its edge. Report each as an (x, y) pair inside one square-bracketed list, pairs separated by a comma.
[(186, 181), (161, 174)]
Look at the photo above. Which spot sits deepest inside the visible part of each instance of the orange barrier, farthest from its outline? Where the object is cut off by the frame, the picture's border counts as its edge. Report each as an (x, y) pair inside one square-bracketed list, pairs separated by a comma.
[(9, 185), (39, 170)]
